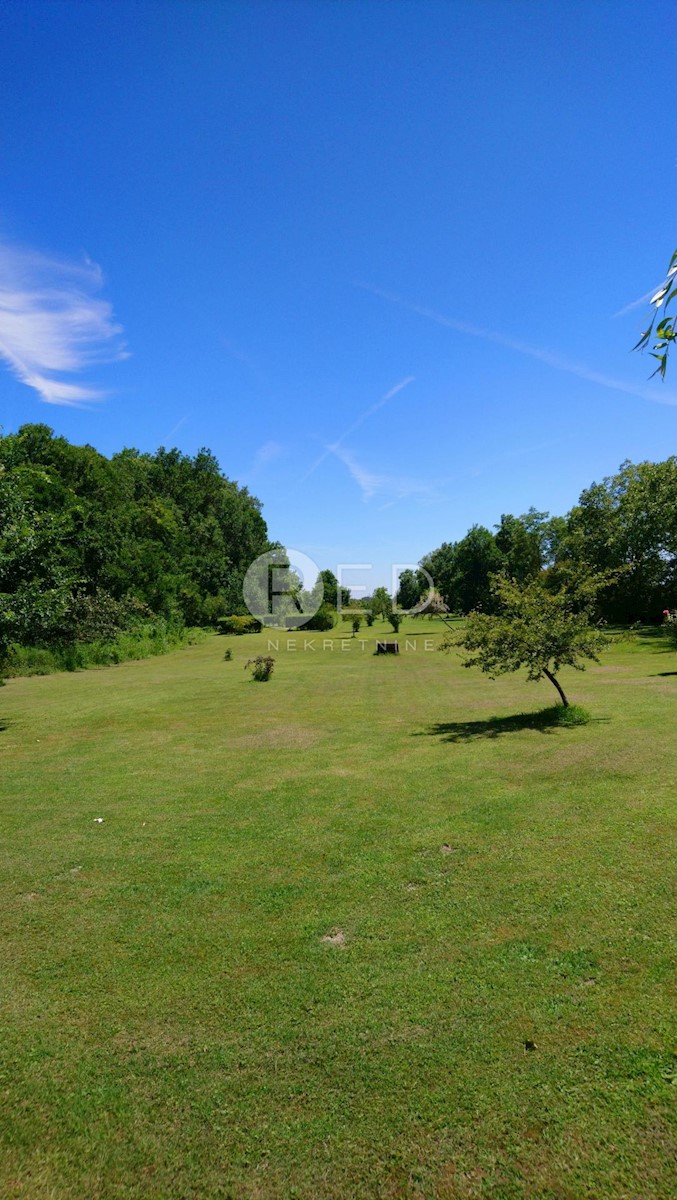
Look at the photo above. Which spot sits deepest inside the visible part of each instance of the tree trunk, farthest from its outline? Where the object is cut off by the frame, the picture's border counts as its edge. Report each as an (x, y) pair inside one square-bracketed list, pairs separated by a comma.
[(549, 675)]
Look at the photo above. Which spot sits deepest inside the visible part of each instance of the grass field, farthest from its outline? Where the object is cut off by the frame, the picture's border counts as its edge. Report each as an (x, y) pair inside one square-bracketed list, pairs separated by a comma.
[(339, 934)]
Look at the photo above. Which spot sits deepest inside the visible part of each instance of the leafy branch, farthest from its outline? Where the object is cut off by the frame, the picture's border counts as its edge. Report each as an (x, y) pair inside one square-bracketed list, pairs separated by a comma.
[(665, 332)]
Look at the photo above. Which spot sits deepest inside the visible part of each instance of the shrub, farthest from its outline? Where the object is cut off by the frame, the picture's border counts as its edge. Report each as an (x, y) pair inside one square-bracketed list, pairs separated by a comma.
[(213, 608), (370, 619), (239, 625), (228, 655), (93, 616), (147, 641), (323, 619), (261, 667), (356, 622), (395, 619), (30, 660)]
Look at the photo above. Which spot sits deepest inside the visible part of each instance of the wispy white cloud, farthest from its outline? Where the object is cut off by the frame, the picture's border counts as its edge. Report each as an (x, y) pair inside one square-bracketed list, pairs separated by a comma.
[(372, 483), (557, 361), (179, 425), (367, 481), (267, 453), (635, 304), (364, 416), (656, 296), (53, 325)]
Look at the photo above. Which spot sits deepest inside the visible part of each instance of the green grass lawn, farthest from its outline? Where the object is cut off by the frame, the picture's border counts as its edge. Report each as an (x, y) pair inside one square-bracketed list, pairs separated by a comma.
[(490, 1016)]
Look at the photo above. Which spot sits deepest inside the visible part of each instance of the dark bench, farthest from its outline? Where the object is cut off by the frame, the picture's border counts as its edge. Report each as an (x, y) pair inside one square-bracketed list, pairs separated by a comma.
[(387, 647)]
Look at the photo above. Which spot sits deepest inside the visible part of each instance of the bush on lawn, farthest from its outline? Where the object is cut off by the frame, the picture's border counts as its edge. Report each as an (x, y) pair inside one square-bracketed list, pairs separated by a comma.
[(261, 667), (324, 619), (238, 625)]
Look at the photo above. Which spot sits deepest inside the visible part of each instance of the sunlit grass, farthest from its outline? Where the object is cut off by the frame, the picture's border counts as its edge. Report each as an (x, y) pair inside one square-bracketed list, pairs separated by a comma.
[(381, 928)]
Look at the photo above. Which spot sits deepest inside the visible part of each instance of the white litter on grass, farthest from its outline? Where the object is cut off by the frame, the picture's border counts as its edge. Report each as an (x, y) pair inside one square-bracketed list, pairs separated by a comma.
[(98, 820)]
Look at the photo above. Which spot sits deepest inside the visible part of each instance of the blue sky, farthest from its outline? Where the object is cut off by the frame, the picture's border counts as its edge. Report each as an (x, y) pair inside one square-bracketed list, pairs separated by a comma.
[(371, 254)]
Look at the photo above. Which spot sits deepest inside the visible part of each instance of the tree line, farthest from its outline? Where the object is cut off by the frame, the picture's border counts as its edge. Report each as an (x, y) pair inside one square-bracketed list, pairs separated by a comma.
[(624, 527), (91, 545)]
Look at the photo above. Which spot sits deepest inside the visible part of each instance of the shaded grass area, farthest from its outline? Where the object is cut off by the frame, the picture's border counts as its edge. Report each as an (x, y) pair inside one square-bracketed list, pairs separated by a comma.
[(495, 1018), (545, 719)]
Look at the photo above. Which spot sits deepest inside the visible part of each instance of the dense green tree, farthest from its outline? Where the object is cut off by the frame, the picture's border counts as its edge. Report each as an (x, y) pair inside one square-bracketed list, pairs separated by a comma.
[(476, 559), (520, 547), (329, 584), (627, 524), (440, 564), (409, 590), (35, 585), (166, 529), (461, 570)]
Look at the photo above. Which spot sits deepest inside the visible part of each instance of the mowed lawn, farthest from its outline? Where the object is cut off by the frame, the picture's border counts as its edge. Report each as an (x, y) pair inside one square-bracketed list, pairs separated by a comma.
[(491, 1014)]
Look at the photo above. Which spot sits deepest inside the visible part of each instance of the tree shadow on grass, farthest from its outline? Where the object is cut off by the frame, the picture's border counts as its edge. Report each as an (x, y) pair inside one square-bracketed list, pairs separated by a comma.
[(546, 720), (3, 725), (664, 674)]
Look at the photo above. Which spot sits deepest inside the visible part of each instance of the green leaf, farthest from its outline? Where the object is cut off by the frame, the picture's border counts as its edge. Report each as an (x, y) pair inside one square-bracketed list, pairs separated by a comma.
[(643, 341)]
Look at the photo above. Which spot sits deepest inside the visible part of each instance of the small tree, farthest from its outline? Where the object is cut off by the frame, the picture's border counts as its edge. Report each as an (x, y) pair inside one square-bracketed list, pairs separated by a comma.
[(356, 622), (395, 619), (534, 628), (381, 603)]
